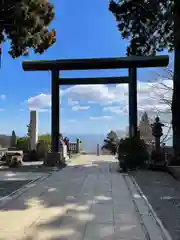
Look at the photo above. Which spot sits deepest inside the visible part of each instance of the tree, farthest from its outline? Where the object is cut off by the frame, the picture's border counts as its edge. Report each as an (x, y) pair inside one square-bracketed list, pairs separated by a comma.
[(153, 26), (111, 141), (23, 144), (13, 139), (24, 23)]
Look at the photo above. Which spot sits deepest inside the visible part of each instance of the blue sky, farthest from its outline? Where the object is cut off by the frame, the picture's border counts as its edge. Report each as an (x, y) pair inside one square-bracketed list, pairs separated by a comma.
[(84, 30)]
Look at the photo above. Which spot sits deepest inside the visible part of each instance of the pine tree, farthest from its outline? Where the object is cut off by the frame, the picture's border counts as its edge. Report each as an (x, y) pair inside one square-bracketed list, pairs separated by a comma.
[(110, 143), (24, 23), (13, 139)]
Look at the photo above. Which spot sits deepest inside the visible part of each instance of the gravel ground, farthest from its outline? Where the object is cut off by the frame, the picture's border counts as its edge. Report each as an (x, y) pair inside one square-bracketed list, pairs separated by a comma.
[(7, 187), (163, 193)]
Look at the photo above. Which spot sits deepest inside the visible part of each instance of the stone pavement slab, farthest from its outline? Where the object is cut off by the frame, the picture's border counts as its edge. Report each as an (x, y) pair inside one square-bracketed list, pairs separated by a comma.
[(88, 200)]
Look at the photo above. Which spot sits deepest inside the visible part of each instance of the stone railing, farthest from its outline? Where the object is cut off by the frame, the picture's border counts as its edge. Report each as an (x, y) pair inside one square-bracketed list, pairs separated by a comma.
[(74, 147)]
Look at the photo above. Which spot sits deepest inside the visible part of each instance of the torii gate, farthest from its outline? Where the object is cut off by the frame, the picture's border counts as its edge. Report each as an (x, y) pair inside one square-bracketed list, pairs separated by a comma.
[(132, 63)]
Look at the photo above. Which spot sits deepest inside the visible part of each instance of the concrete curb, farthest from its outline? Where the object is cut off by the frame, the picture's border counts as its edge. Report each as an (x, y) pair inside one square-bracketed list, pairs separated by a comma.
[(165, 233), (17, 193)]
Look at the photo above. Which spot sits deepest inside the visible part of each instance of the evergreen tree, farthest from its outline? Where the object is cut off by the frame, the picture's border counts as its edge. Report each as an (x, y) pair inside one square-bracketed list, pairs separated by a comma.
[(110, 143), (152, 26), (13, 139), (24, 23)]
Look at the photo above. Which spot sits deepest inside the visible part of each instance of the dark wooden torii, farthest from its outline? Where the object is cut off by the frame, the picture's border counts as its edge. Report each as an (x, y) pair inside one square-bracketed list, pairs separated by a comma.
[(132, 63)]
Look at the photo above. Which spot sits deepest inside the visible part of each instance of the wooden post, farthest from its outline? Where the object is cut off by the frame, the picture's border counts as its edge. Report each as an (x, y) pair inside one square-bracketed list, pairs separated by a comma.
[(55, 111), (132, 102)]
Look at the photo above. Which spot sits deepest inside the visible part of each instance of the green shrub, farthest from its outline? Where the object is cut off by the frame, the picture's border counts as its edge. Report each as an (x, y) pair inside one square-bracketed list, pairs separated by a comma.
[(23, 144), (132, 152), (42, 149), (46, 138)]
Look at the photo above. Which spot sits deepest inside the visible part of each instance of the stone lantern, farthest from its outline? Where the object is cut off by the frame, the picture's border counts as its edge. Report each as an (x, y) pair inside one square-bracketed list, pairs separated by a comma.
[(157, 132)]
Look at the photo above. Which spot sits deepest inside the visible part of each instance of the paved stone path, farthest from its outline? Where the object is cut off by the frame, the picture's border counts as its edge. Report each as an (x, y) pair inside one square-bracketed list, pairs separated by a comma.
[(88, 200)]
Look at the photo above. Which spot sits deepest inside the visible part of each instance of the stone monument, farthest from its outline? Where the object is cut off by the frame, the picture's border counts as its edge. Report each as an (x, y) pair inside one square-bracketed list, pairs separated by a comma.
[(33, 129)]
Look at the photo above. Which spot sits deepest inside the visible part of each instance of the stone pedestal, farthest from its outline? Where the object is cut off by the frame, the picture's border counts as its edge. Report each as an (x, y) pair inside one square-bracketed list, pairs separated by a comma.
[(55, 159)]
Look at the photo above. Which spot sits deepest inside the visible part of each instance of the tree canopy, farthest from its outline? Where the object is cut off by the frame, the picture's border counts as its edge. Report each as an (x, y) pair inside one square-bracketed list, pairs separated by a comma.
[(148, 25), (24, 23)]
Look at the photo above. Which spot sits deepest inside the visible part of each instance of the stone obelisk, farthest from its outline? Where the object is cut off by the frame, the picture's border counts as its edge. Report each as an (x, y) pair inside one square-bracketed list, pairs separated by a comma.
[(34, 129)]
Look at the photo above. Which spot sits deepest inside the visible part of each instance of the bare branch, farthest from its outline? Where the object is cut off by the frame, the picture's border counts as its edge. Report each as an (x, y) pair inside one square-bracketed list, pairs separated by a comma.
[(167, 134)]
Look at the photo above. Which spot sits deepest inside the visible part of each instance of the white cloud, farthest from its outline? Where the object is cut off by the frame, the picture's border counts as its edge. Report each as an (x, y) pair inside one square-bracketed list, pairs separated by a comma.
[(152, 97), (100, 118), (90, 93), (40, 101), (2, 97), (80, 108)]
